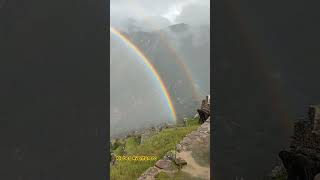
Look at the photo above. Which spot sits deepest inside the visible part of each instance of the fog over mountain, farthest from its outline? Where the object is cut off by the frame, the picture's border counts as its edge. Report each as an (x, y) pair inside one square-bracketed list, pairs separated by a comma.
[(177, 47), (153, 15)]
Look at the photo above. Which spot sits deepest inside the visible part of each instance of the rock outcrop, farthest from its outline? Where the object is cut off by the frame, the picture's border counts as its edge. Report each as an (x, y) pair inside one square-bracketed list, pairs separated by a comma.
[(302, 160)]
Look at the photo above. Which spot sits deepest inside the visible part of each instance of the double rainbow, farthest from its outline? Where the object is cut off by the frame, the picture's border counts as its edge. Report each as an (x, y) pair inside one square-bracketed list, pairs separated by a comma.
[(145, 61)]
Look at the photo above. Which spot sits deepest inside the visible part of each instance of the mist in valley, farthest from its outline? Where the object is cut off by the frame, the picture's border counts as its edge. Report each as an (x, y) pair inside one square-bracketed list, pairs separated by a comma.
[(175, 39)]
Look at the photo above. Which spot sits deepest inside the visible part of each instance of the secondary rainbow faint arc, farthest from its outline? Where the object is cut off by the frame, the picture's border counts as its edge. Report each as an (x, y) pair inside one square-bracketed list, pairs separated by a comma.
[(146, 61)]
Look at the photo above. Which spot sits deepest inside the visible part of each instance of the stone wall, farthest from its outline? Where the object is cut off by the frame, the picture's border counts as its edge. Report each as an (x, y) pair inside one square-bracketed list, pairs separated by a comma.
[(304, 139), (185, 144), (302, 160)]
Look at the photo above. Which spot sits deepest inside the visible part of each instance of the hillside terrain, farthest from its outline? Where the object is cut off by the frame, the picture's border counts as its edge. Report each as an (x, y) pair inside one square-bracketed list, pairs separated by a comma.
[(157, 145)]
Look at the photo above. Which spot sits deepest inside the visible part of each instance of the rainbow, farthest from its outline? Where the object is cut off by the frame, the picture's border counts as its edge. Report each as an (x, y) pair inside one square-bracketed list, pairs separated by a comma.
[(150, 67), (181, 64), (177, 58)]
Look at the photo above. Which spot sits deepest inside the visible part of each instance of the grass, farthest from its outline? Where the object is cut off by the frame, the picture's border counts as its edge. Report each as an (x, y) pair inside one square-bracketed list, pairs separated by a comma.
[(119, 150), (132, 143), (192, 122), (157, 145), (282, 177), (162, 175)]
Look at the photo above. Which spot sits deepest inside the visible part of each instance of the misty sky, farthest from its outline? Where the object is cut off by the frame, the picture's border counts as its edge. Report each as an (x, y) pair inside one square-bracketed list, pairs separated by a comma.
[(142, 104), (135, 98), (160, 13)]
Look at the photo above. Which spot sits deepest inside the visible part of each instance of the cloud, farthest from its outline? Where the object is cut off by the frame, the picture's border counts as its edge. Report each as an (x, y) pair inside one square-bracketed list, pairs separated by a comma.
[(136, 100), (194, 14), (158, 14)]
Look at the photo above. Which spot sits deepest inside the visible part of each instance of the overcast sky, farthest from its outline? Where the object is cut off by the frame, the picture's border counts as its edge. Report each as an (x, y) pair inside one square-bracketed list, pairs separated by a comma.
[(160, 13)]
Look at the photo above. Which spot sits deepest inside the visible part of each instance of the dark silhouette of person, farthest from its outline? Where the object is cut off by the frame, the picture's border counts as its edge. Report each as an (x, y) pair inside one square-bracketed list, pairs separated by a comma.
[(204, 111)]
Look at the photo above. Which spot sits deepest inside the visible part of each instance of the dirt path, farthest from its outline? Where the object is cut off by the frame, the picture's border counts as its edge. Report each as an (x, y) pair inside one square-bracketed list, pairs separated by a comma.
[(193, 168), (193, 149)]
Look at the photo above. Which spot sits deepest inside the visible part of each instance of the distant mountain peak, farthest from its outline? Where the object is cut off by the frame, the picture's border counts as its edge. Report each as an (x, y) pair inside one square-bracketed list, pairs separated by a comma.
[(179, 27)]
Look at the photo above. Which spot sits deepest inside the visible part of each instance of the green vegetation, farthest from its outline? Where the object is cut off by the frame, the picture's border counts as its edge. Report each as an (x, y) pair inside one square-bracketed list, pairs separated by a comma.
[(281, 177), (162, 175), (117, 147), (132, 143), (157, 145), (192, 122), (119, 150)]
